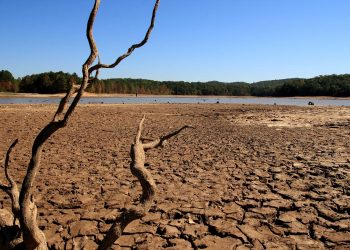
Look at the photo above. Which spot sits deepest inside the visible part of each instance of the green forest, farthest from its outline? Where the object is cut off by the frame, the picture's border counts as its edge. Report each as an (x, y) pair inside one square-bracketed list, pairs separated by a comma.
[(58, 82)]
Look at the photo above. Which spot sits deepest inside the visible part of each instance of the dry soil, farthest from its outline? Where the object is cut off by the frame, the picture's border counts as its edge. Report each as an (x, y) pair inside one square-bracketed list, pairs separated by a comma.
[(248, 176)]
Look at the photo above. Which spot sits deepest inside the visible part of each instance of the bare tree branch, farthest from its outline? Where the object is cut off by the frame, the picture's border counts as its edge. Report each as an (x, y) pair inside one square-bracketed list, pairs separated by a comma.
[(33, 237), (133, 47), (137, 167), (139, 131), (11, 190), (64, 101), (89, 61), (7, 161), (90, 35), (163, 139)]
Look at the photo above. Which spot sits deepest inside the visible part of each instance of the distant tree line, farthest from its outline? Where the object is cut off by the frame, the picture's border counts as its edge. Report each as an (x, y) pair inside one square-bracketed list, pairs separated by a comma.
[(141, 86), (58, 82)]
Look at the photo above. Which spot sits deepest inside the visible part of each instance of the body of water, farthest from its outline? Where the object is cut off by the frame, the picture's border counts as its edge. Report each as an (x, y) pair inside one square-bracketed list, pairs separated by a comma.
[(155, 99)]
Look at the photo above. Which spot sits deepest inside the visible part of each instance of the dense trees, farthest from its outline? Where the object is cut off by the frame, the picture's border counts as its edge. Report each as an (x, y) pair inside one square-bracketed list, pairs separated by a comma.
[(50, 82), (7, 82), (141, 86), (330, 85), (47, 83)]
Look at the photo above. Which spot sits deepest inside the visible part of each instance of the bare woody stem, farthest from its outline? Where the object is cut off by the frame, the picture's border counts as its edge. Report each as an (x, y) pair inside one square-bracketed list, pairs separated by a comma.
[(159, 142), (137, 167), (33, 237), (133, 47), (11, 190)]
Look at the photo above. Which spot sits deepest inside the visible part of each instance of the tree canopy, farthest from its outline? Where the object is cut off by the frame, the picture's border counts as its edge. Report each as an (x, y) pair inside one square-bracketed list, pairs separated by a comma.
[(7, 82), (47, 83)]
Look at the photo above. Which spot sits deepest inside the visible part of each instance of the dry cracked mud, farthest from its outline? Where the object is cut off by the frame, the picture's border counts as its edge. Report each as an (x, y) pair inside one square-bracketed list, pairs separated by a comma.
[(248, 176)]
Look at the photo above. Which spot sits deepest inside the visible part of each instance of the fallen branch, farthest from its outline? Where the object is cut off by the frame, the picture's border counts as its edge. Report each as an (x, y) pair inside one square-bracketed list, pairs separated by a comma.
[(144, 176)]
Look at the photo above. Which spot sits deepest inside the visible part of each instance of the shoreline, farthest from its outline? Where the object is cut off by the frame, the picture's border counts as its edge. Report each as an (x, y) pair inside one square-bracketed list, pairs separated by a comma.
[(93, 95)]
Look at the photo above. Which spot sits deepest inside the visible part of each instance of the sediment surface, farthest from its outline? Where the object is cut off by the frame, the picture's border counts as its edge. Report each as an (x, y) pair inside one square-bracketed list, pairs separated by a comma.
[(248, 176)]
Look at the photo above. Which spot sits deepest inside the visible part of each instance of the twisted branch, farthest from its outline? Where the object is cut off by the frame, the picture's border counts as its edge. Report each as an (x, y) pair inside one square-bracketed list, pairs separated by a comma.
[(64, 101), (12, 189), (33, 237), (137, 167)]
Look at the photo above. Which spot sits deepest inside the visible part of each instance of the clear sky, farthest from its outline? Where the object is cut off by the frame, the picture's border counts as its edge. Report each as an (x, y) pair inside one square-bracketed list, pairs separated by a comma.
[(193, 40)]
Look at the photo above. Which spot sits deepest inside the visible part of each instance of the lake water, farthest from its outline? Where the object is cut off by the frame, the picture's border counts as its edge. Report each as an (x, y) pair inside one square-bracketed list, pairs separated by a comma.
[(155, 99)]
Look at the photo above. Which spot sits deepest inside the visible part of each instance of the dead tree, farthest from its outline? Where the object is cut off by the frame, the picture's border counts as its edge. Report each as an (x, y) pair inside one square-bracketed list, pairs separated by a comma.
[(23, 203)]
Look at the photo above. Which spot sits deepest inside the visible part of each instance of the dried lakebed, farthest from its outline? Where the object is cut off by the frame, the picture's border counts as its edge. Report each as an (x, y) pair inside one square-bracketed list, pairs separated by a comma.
[(268, 177)]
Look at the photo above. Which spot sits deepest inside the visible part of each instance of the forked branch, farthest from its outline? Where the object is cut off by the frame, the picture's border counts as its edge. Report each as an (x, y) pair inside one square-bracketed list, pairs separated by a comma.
[(160, 141), (144, 176)]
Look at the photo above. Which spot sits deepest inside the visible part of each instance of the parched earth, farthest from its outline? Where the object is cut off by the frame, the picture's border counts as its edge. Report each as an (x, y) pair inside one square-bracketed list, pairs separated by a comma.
[(248, 176)]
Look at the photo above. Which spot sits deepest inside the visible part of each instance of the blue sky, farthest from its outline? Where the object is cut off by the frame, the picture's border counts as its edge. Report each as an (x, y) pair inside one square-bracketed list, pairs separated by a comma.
[(193, 40)]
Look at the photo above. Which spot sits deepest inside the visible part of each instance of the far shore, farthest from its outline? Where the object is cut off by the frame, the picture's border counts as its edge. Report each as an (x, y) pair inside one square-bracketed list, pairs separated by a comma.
[(94, 95)]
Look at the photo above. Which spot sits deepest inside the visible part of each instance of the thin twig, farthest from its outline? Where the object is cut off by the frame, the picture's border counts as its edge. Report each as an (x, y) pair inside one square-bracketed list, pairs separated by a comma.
[(12, 189), (6, 166), (133, 47), (163, 139)]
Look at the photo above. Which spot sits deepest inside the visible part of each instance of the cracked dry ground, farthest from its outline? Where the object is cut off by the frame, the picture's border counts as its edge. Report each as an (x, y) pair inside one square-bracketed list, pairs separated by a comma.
[(261, 177)]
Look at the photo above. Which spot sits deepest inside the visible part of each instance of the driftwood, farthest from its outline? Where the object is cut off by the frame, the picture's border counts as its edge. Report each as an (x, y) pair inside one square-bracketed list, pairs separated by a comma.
[(12, 189), (23, 203), (137, 167)]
